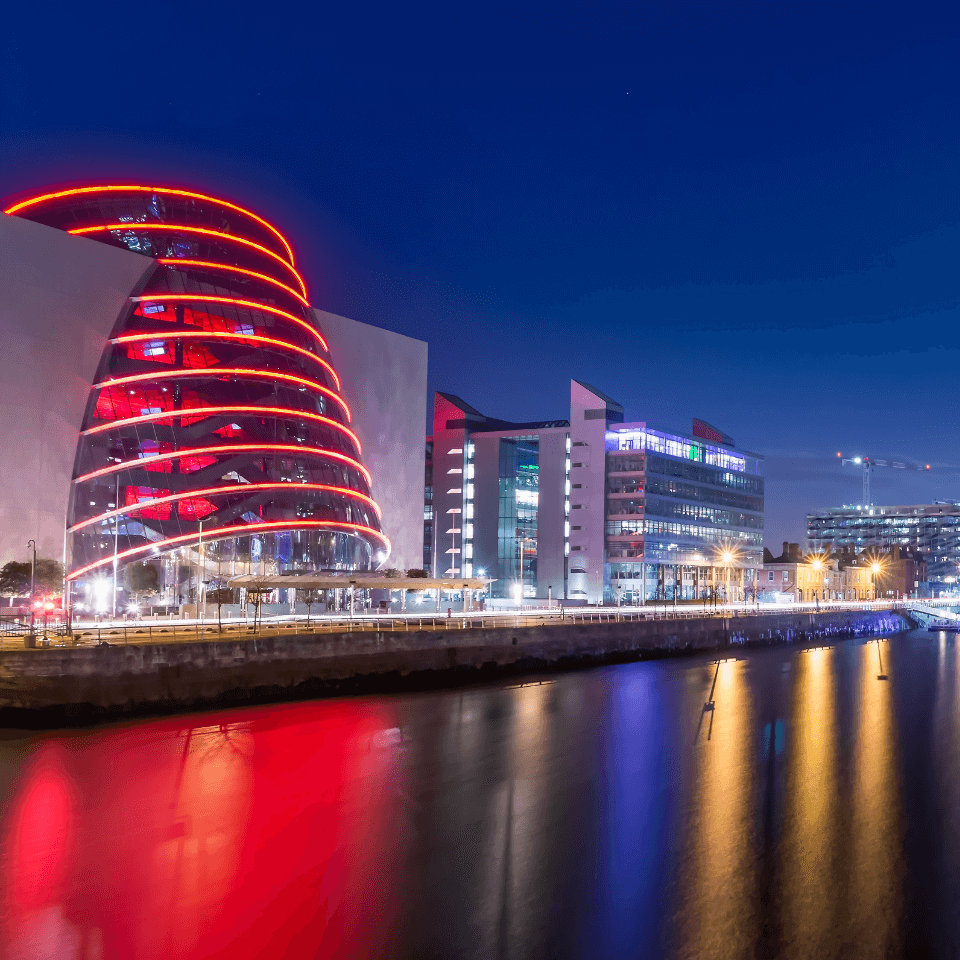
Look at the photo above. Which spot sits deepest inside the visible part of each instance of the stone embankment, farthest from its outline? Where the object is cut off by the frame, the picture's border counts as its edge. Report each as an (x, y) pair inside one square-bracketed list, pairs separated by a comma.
[(60, 685)]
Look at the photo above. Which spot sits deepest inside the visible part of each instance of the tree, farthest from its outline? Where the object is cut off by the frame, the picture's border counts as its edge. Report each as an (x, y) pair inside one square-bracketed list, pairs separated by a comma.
[(220, 595), (310, 597), (49, 577), (418, 573), (257, 589), (143, 580), (15, 579)]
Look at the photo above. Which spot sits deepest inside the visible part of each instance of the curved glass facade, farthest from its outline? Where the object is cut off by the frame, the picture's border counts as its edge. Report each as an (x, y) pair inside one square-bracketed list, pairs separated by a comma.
[(215, 420)]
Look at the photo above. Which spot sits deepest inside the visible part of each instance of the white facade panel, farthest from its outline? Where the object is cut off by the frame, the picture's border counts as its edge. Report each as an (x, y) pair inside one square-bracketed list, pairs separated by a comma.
[(384, 376), (60, 297)]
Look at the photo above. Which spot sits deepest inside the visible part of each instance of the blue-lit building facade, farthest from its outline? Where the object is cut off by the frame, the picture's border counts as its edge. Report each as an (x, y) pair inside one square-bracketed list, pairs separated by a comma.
[(675, 506), (591, 509)]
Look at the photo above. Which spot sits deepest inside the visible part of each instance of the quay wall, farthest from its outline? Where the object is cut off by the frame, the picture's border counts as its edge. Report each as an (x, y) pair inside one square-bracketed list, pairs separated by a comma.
[(62, 684)]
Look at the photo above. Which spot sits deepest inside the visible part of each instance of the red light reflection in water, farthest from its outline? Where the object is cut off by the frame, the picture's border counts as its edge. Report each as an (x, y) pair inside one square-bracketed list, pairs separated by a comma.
[(265, 835)]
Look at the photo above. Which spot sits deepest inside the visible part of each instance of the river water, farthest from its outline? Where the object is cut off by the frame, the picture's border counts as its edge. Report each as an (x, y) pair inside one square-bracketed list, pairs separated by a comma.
[(814, 811)]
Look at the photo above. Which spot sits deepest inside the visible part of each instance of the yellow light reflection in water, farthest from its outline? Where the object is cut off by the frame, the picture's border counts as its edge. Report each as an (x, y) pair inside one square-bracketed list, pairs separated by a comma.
[(812, 816), (520, 834), (716, 874), (875, 814)]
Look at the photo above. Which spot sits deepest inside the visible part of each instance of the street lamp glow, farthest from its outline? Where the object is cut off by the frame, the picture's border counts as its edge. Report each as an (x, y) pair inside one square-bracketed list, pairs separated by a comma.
[(817, 564), (727, 556), (875, 567)]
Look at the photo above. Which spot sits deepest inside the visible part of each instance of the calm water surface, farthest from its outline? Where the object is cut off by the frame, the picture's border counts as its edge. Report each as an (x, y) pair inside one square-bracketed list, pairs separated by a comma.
[(814, 811)]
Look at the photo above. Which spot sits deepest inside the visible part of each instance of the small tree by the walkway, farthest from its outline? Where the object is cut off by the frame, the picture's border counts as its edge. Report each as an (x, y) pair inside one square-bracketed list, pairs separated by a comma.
[(48, 577), (220, 595), (310, 597), (257, 590), (143, 580)]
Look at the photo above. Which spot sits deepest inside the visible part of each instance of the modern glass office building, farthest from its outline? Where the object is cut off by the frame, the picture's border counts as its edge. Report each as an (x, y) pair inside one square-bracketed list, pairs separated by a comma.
[(215, 420), (932, 530), (590, 508), (676, 504)]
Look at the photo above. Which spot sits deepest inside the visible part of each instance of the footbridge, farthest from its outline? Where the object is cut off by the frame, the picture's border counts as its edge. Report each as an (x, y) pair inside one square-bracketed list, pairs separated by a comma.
[(927, 614)]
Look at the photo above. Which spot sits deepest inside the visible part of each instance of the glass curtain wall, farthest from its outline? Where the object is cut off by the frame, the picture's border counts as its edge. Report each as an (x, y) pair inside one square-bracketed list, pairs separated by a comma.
[(519, 480)]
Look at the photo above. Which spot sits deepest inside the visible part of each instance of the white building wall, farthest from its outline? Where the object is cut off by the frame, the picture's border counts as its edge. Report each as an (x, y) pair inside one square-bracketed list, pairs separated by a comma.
[(60, 297), (590, 411), (383, 376)]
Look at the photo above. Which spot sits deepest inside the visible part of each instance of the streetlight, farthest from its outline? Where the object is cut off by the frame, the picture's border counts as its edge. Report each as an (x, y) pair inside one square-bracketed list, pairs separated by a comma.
[(874, 569), (727, 557), (33, 569), (520, 551)]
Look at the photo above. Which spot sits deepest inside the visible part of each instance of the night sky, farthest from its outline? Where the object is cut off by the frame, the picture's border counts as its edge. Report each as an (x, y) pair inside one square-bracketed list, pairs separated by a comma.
[(746, 212)]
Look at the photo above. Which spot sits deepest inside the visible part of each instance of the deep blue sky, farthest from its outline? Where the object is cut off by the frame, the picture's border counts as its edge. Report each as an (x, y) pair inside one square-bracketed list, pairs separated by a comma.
[(747, 212)]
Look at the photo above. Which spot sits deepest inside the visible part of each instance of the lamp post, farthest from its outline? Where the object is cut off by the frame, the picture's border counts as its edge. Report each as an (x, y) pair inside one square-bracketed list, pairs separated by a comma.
[(727, 558), (874, 570), (520, 548), (33, 572), (817, 567)]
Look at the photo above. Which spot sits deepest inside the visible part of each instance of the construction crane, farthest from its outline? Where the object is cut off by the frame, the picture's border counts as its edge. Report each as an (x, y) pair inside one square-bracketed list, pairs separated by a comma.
[(867, 464)]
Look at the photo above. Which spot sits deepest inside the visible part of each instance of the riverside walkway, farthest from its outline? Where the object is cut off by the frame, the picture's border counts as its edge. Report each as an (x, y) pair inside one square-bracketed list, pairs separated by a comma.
[(172, 630)]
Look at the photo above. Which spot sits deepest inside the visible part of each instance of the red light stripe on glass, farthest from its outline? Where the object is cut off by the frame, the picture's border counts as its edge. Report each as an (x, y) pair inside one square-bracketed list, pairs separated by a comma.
[(233, 488), (193, 412), (184, 228), (76, 191), (221, 335), (232, 531), (220, 372), (232, 301), (210, 265), (226, 448)]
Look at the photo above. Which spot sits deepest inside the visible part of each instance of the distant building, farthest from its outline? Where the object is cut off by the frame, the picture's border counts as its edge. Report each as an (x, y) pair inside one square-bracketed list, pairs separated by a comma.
[(903, 573), (845, 575), (590, 508), (793, 576), (931, 531)]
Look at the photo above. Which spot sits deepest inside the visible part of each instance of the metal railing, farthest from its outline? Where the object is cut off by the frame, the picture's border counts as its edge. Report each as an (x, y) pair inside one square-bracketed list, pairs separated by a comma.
[(145, 632)]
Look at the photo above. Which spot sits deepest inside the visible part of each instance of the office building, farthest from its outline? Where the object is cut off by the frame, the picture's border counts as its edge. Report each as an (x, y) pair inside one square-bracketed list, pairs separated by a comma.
[(931, 531), (590, 508)]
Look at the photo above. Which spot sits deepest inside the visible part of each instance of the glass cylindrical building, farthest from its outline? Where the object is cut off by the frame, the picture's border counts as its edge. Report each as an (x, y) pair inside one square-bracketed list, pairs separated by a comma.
[(215, 427)]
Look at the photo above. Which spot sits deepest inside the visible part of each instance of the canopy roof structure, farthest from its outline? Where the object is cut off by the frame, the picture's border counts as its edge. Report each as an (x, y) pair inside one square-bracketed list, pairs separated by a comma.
[(340, 581)]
